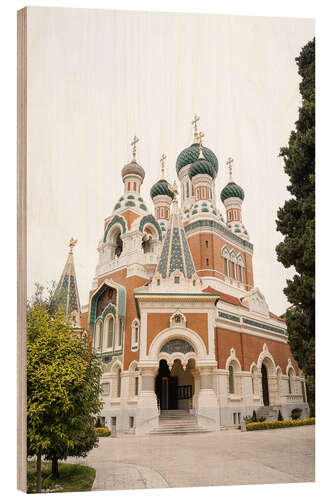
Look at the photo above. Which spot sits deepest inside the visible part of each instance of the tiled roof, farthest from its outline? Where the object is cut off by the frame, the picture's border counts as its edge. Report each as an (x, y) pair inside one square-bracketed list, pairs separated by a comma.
[(274, 316), (175, 253), (67, 287), (230, 299)]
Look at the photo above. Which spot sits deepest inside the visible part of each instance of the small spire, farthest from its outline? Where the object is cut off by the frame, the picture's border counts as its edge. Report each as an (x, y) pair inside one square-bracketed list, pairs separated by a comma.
[(133, 143), (201, 156), (195, 123), (229, 164), (163, 157), (72, 244)]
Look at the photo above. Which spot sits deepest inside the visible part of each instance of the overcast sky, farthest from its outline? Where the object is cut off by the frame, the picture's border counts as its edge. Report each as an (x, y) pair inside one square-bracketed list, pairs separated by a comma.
[(96, 77)]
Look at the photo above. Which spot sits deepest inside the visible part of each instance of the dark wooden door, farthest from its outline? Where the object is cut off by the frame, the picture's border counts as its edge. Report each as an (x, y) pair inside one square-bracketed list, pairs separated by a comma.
[(264, 379), (173, 402)]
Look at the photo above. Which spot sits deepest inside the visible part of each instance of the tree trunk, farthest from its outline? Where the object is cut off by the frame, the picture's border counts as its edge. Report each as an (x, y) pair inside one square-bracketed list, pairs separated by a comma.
[(55, 469), (39, 473)]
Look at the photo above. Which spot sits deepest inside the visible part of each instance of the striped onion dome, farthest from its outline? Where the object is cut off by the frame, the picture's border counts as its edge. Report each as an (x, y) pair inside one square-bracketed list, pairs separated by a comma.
[(161, 187), (191, 154), (232, 190), (202, 166)]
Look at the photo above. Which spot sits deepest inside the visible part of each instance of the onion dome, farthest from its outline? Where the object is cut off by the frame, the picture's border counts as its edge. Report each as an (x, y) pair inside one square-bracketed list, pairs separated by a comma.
[(202, 166), (232, 190), (133, 168), (191, 154), (161, 187)]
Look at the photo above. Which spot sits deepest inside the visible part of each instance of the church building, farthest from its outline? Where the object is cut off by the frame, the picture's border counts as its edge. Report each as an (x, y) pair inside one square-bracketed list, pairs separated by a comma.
[(187, 340)]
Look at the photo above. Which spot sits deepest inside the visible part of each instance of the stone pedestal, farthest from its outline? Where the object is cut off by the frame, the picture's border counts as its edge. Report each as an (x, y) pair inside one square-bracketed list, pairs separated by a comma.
[(147, 412), (207, 406)]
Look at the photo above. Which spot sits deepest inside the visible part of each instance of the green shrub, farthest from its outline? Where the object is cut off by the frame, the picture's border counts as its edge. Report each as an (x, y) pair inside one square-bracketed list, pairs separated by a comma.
[(280, 417), (296, 413), (254, 416), (103, 431), (256, 426)]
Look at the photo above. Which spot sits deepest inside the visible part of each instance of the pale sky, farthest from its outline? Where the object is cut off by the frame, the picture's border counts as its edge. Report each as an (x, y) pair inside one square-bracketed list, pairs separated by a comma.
[(96, 77)]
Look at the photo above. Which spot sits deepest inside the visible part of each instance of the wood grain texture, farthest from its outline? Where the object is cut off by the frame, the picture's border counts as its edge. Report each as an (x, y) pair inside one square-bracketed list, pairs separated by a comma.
[(21, 246)]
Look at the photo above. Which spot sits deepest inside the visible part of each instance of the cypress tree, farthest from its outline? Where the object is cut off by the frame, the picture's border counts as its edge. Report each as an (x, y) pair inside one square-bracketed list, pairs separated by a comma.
[(296, 221)]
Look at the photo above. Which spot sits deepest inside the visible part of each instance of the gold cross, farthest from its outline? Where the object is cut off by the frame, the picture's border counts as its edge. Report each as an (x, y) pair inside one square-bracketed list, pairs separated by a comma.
[(133, 143), (195, 123), (72, 244), (163, 157), (229, 163)]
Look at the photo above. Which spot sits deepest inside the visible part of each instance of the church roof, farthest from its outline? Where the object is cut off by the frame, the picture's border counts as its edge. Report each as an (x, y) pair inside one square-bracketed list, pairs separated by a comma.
[(176, 254), (67, 289)]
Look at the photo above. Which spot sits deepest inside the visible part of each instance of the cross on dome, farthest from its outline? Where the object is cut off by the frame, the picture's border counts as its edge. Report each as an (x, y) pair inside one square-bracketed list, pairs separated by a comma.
[(72, 244), (229, 164), (134, 143), (195, 123), (163, 157)]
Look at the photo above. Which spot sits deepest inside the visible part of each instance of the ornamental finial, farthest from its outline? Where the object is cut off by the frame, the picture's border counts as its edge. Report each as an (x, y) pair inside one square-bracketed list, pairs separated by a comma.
[(195, 123), (133, 143), (72, 244), (229, 164), (163, 157), (200, 136)]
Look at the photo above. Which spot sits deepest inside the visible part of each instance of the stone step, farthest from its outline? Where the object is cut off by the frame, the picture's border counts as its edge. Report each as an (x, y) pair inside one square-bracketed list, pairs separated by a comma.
[(193, 430)]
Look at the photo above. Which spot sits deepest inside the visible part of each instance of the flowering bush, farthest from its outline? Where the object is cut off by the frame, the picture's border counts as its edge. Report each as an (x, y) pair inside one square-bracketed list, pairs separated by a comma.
[(103, 431), (256, 426)]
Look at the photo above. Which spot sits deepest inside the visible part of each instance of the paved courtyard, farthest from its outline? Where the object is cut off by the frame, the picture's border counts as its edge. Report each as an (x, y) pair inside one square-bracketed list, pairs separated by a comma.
[(216, 458)]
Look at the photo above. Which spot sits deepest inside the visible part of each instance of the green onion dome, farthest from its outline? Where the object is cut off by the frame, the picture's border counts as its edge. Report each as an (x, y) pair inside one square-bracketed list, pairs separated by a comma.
[(232, 190), (202, 167), (191, 154), (133, 168), (161, 188)]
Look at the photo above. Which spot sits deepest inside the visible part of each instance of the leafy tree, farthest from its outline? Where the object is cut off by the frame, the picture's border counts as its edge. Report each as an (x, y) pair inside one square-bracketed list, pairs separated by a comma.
[(63, 386), (296, 221)]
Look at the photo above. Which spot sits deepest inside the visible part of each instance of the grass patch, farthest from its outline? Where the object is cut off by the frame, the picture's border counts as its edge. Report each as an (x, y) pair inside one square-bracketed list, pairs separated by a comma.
[(72, 477), (276, 424)]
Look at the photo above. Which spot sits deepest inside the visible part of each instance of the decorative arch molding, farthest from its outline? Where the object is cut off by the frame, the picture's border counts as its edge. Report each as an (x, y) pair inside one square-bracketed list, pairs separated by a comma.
[(171, 358), (225, 252), (133, 367), (110, 309), (186, 334), (290, 367), (233, 256), (253, 366), (264, 355), (117, 219), (233, 359), (240, 260), (150, 219), (177, 319), (115, 367)]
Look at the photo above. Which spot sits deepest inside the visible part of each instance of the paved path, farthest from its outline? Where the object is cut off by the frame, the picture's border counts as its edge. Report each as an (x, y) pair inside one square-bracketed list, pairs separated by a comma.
[(212, 459)]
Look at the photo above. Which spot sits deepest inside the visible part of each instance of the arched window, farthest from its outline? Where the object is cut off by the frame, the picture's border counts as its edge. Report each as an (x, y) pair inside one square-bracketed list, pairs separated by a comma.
[(187, 190), (134, 186), (225, 257), (98, 335), (291, 381), (135, 332), (231, 380), (109, 332), (119, 383), (118, 333)]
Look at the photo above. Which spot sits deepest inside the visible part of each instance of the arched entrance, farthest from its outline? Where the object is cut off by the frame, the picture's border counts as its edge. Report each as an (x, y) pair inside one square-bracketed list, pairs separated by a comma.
[(264, 380), (175, 388)]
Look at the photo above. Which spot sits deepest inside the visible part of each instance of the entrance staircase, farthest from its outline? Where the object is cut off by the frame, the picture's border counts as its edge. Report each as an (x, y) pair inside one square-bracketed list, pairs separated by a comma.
[(177, 422)]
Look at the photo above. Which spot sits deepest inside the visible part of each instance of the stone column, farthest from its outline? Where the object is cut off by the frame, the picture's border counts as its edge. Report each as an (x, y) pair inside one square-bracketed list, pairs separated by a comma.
[(207, 406), (147, 411)]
